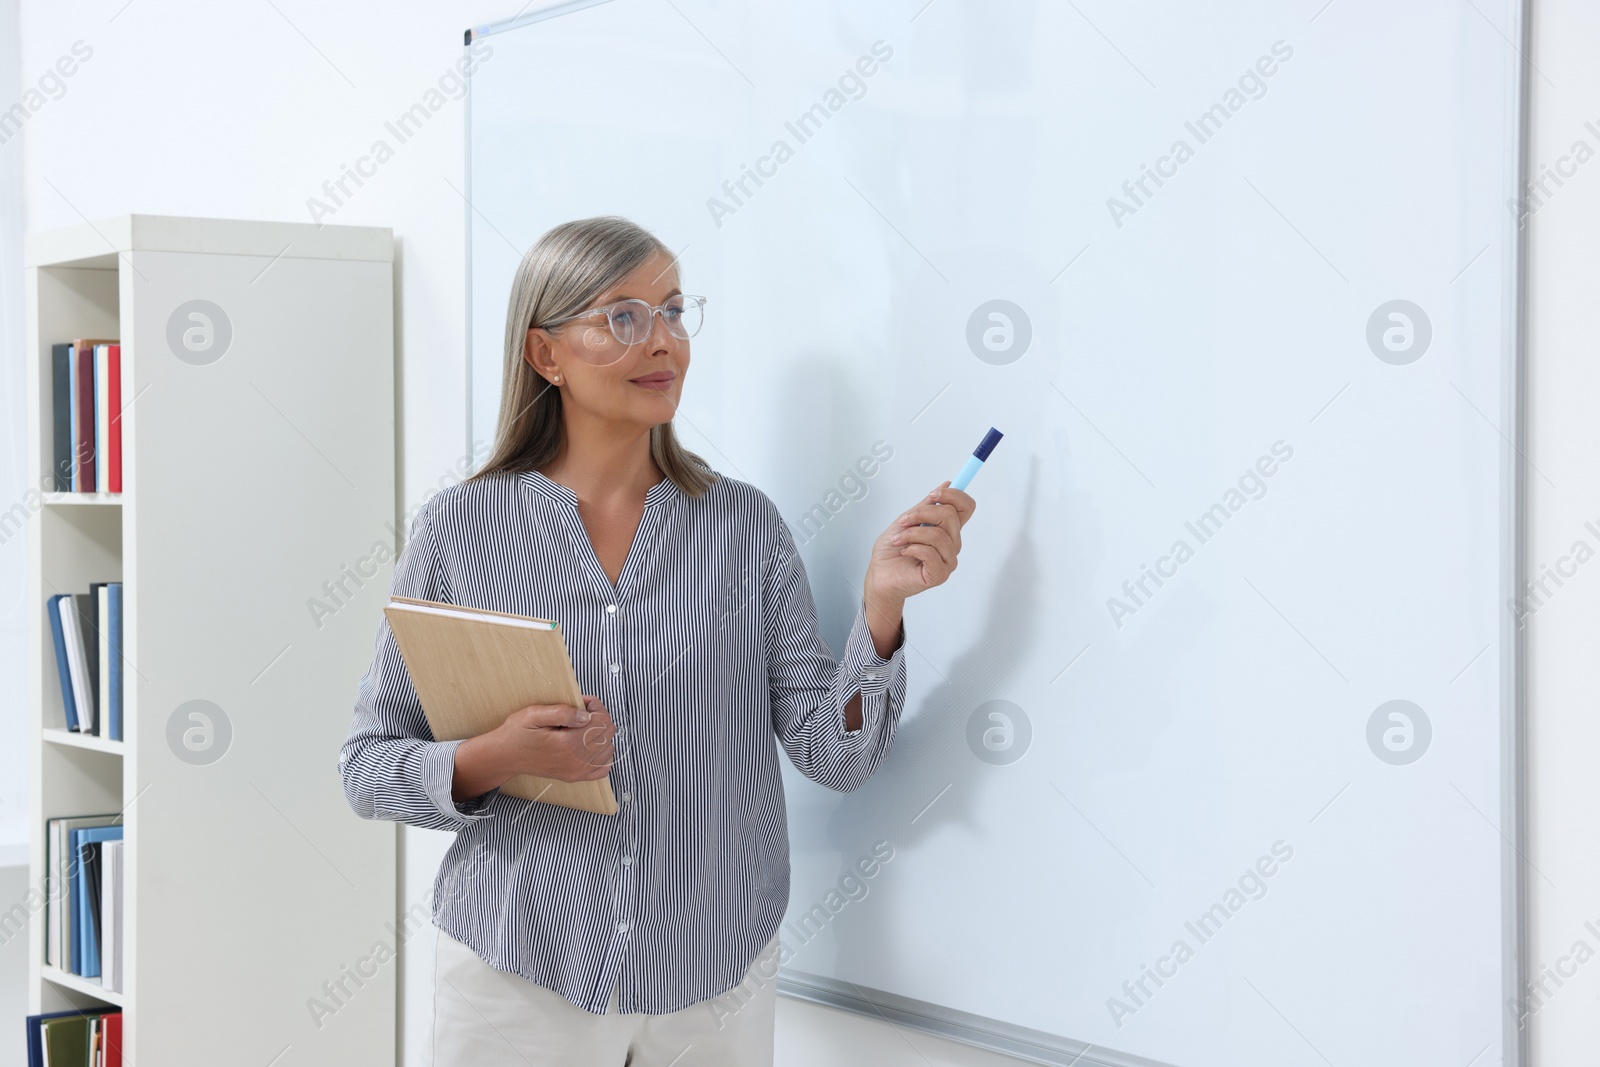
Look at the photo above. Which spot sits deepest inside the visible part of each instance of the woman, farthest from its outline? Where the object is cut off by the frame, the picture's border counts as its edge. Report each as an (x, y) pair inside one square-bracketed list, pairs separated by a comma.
[(568, 937)]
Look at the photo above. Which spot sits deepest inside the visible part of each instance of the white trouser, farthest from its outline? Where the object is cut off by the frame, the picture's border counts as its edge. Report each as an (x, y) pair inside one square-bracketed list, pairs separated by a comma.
[(488, 1018)]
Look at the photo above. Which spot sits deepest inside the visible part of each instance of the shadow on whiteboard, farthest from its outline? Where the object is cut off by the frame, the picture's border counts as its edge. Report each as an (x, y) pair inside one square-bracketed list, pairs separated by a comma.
[(936, 739)]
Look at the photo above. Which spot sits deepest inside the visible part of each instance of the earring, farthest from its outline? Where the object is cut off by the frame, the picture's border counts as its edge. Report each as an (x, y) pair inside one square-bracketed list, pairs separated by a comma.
[(556, 380)]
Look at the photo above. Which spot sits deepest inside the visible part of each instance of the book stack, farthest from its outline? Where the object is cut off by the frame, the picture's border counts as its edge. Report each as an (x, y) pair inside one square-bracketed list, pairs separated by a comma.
[(87, 631), (86, 381), (84, 897), (75, 1039)]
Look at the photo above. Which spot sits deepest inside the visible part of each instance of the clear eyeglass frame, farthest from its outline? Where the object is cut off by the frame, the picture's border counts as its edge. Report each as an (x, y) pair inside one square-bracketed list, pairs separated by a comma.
[(631, 322)]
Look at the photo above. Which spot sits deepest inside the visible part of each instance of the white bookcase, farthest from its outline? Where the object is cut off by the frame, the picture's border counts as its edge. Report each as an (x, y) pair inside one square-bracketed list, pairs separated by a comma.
[(253, 474)]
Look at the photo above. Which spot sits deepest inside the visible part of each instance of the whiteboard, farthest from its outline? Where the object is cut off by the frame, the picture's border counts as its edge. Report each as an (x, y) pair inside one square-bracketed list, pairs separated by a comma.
[(1209, 749)]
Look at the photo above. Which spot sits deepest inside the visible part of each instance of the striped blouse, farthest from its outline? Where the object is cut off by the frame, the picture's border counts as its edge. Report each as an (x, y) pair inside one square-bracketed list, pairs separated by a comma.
[(706, 653)]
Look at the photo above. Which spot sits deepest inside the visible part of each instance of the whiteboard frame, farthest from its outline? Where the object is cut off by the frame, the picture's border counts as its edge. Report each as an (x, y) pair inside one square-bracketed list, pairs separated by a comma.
[(1036, 1046), (1517, 1051)]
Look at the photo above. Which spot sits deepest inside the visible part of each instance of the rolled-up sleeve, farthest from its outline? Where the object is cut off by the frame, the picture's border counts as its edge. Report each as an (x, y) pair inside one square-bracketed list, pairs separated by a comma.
[(810, 689), (391, 765)]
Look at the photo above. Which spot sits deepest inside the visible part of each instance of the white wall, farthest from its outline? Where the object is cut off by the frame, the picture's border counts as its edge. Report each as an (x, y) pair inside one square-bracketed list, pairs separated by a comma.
[(246, 110), (1563, 443), (13, 962), (13, 554), (13, 540)]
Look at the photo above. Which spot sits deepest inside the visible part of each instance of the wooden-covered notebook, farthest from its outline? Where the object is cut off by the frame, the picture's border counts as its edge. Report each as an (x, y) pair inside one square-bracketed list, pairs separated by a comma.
[(472, 668)]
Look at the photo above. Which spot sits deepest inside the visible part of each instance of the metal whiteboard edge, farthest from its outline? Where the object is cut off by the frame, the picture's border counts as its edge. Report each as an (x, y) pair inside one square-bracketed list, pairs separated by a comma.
[(466, 228), (563, 7), (1516, 1048), (1034, 1046)]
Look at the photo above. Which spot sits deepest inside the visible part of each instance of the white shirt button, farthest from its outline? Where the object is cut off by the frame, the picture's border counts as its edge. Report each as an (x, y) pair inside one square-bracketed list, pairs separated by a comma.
[(615, 667), (626, 795), (627, 861), (611, 609), (622, 928)]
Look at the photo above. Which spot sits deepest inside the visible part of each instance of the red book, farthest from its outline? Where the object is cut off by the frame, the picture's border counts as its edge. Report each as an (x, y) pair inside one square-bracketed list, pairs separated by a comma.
[(114, 407), (113, 1045), (83, 449)]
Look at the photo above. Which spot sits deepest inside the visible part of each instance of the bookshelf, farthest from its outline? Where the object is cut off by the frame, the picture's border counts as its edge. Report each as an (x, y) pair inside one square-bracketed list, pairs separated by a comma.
[(253, 474)]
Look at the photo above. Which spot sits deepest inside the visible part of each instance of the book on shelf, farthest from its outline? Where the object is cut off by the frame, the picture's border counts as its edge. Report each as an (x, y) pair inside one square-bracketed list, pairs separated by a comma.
[(62, 423), (111, 658), (91, 1038), (58, 638), (61, 886), (86, 632), (85, 918), (112, 881), (72, 610), (85, 891), (86, 405)]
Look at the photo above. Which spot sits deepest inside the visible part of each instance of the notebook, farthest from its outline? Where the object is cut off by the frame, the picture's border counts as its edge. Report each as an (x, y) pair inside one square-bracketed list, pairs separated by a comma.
[(65, 1040), (472, 668)]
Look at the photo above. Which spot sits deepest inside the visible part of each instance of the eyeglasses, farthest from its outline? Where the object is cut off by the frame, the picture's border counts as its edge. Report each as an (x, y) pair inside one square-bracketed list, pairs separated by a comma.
[(632, 320)]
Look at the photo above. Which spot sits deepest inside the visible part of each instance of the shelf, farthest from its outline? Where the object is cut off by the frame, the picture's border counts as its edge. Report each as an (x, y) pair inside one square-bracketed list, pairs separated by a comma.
[(83, 498), (320, 323), (56, 736), (79, 984)]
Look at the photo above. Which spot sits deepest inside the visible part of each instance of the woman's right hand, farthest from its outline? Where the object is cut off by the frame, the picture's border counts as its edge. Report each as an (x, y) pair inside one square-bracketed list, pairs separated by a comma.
[(556, 741)]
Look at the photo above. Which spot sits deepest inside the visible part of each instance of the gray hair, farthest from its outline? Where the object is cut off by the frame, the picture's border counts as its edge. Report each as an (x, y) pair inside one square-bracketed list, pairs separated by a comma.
[(562, 274)]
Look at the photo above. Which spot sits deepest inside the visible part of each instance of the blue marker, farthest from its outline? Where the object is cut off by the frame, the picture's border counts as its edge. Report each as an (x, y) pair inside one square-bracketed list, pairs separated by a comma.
[(974, 462)]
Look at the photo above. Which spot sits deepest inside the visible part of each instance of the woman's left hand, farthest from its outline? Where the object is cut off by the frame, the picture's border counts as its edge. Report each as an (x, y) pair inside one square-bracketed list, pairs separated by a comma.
[(909, 557)]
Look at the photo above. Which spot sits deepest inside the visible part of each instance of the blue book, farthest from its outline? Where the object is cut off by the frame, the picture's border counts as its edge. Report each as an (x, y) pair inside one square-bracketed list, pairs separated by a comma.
[(58, 636), (113, 626), (36, 1035), (86, 940)]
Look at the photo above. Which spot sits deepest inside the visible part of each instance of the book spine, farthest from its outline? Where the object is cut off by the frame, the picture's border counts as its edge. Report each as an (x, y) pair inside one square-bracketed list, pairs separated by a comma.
[(114, 712), (89, 605), (52, 893), (58, 637), (110, 928), (102, 620), (114, 436), (85, 940), (84, 384), (67, 901), (92, 853), (73, 428), (74, 613), (61, 417), (114, 1037), (102, 419), (74, 918)]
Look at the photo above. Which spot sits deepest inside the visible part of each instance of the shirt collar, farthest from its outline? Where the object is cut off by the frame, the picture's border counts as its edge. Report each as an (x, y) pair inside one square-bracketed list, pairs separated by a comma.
[(555, 492)]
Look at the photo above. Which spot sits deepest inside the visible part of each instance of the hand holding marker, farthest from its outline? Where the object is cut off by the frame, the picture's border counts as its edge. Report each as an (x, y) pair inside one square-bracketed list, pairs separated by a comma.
[(914, 555), (975, 461)]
